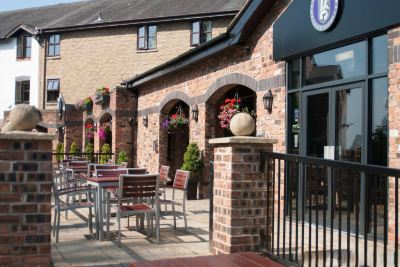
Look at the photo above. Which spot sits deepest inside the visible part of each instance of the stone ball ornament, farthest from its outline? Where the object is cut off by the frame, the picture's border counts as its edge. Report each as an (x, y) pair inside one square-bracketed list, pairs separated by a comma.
[(242, 124), (22, 117)]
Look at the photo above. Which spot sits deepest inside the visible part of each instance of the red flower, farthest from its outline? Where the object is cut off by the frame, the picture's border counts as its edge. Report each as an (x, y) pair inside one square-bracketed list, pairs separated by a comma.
[(233, 100), (174, 116), (227, 100)]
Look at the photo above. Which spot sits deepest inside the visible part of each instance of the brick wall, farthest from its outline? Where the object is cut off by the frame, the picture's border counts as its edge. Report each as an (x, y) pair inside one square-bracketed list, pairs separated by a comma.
[(105, 57), (240, 196), (25, 199), (199, 83)]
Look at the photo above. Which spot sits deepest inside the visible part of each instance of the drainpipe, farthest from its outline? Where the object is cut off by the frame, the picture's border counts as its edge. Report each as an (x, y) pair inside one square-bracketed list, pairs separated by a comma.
[(134, 125)]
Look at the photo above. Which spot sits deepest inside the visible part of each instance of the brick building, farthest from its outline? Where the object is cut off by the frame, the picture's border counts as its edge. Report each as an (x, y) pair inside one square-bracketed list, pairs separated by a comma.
[(334, 83)]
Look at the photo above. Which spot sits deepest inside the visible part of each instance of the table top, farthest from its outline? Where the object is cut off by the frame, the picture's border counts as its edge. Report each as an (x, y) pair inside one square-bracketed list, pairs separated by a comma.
[(103, 179), (233, 260)]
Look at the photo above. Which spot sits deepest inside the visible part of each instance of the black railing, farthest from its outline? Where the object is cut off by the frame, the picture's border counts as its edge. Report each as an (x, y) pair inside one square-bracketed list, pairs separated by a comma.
[(331, 213), (92, 157)]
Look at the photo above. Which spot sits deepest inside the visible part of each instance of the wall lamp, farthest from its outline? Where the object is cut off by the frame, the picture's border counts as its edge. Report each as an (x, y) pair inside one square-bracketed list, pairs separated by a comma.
[(95, 126), (146, 121), (268, 100), (195, 113)]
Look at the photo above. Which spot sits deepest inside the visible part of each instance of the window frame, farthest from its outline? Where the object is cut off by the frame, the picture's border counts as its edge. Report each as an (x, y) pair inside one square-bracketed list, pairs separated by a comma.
[(19, 87), (201, 32), (146, 38), (23, 47), (53, 45), (54, 92)]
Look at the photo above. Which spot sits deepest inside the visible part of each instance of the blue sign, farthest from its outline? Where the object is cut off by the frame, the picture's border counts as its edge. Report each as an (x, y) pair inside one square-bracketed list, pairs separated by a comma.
[(323, 13)]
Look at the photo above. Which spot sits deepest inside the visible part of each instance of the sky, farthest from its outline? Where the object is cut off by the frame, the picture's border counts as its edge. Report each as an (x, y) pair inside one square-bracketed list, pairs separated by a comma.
[(6, 5)]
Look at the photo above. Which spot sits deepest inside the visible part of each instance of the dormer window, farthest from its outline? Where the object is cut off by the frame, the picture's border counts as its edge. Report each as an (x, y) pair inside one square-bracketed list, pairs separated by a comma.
[(54, 45), (24, 47), (201, 32), (147, 37)]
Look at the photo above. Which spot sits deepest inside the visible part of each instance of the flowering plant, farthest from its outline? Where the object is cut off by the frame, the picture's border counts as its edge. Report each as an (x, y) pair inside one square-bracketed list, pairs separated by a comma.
[(176, 120), (230, 108), (103, 91), (88, 101), (104, 130), (89, 129)]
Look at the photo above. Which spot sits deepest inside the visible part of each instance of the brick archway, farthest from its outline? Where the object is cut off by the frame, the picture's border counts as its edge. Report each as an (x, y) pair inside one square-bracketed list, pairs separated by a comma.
[(231, 80), (169, 100)]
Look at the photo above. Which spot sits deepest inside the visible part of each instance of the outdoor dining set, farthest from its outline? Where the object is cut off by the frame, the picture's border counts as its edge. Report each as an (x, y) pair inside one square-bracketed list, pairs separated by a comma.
[(131, 192)]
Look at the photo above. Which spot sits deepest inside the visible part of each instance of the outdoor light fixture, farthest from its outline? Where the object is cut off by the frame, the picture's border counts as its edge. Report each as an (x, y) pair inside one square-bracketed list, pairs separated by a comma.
[(95, 126), (155, 145), (195, 112), (268, 101), (146, 121)]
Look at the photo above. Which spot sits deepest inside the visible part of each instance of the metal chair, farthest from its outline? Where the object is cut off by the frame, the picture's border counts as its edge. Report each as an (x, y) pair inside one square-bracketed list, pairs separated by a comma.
[(180, 184), (141, 188), (164, 170), (60, 190)]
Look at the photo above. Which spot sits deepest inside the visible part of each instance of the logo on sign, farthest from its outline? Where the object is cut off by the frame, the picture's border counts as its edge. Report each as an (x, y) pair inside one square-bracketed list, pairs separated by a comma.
[(323, 13)]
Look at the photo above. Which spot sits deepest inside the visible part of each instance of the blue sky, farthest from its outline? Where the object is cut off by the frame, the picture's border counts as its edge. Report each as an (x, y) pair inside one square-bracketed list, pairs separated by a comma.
[(18, 4)]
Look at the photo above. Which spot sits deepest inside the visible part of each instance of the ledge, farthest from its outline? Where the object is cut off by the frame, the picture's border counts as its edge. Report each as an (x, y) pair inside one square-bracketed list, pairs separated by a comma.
[(242, 140), (19, 135)]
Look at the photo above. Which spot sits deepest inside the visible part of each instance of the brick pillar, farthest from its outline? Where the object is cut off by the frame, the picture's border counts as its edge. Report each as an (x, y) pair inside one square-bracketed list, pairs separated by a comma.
[(240, 195), (25, 198)]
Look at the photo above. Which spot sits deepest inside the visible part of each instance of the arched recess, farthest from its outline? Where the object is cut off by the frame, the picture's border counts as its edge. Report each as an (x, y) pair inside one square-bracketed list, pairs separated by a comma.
[(105, 130), (173, 136), (89, 130)]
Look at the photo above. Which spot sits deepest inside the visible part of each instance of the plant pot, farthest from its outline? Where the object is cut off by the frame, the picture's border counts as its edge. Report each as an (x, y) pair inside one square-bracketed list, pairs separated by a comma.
[(88, 107), (242, 124), (102, 99), (192, 189)]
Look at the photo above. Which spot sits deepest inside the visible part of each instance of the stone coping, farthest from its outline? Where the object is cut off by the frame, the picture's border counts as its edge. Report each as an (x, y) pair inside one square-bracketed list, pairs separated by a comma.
[(242, 140), (19, 135)]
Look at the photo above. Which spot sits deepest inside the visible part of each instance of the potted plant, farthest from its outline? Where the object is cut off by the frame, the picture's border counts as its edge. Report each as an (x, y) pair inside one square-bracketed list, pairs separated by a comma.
[(102, 95), (59, 152), (192, 162), (238, 119), (175, 121), (104, 130), (74, 149), (122, 157), (87, 104), (89, 131), (105, 154), (89, 152)]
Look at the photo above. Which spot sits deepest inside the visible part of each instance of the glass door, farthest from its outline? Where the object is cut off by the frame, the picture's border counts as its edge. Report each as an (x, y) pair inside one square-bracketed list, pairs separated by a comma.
[(334, 129)]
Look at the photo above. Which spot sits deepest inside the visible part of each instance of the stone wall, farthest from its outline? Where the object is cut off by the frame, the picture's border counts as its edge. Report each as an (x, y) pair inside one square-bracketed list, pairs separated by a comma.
[(105, 57), (200, 83), (25, 199)]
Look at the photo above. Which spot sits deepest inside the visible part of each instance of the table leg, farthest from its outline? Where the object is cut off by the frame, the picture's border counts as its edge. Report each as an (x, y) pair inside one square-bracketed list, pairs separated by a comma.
[(100, 210)]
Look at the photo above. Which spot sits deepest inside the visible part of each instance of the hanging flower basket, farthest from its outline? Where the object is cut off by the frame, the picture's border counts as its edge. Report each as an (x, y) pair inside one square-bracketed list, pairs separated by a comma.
[(102, 96), (104, 130), (89, 131), (87, 104), (175, 121)]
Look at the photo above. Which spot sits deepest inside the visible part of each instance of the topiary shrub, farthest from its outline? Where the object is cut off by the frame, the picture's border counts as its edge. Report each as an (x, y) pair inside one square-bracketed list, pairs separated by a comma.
[(89, 151), (106, 153), (74, 149), (192, 160), (122, 157), (59, 151)]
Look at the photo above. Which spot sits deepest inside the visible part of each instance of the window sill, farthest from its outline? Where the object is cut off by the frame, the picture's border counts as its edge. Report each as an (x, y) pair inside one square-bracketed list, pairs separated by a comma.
[(147, 51), (53, 57), (23, 59)]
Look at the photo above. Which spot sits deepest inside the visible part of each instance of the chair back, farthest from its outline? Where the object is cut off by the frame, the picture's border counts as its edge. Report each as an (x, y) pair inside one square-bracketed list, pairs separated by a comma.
[(181, 179), (105, 167), (164, 170), (78, 164), (139, 186), (136, 171), (110, 173)]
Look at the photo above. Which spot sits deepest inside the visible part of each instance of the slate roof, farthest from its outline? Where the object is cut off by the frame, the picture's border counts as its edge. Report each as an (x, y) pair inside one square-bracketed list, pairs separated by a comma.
[(86, 13)]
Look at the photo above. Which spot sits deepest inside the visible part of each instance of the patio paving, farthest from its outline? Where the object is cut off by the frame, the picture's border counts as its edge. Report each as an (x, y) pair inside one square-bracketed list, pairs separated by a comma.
[(77, 248)]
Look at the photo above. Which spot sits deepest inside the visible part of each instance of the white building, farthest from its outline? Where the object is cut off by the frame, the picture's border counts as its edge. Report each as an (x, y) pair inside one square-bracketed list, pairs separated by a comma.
[(19, 68)]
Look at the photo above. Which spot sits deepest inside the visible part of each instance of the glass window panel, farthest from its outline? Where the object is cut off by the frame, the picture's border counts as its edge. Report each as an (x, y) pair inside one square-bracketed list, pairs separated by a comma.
[(28, 41), (349, 124), (152, 31), (152, 43), (379, 138), (379, 54), (207, 26), (57, 50), (52, 39), (294, 123), (295, 78), (28, 52), (142, 31), (196, 27), (317, 124), (57, 38), (341, 63), (196, 39), (141, 43)]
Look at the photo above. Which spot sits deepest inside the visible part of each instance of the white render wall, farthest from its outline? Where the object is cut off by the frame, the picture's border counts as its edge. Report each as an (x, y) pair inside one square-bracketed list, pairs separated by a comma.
[(11, 68)]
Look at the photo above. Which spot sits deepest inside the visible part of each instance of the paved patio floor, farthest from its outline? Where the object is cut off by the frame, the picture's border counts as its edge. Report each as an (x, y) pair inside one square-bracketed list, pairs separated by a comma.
[(77, 248)]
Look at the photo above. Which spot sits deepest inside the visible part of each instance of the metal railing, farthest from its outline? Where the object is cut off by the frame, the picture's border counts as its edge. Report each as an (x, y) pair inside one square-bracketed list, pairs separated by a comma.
[(92, 157), (331, 213)]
